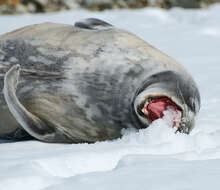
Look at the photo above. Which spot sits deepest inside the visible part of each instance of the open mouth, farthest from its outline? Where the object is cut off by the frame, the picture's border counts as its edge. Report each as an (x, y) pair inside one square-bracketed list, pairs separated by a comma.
[(156, 107)]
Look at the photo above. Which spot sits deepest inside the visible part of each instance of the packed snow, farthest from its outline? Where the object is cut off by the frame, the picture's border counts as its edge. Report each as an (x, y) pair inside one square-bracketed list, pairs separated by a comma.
[(154, 158)]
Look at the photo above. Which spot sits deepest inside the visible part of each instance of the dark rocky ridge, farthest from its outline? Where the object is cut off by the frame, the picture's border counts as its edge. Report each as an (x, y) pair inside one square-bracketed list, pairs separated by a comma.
[(37, 6)]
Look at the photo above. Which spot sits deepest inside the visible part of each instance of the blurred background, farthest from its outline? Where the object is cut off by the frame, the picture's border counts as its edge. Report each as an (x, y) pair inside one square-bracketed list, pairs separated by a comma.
[(40, 6)]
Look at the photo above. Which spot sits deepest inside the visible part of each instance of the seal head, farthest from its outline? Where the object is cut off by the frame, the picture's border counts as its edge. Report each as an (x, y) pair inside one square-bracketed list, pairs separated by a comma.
[(168, 90)]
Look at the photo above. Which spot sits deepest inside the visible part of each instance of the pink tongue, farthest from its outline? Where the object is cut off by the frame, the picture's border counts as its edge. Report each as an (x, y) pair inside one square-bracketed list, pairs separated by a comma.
[(156, 107)]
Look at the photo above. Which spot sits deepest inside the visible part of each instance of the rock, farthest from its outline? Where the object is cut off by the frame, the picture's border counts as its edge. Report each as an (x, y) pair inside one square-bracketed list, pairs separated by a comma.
[(205, 3), (185, 3), (135, 4), (31, 8), (97, 4), (21, 9), (53, 5), (9, 6), (12, 3), (113, 4), (174, 3), (70, 4), (36, 6)]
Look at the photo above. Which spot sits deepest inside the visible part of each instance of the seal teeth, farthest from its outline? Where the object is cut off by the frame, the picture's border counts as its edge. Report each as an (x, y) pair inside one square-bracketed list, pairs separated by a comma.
[(144, 110)]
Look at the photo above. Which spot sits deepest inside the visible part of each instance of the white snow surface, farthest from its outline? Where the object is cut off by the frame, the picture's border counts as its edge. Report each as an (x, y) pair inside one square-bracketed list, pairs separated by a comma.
[(154, 158)]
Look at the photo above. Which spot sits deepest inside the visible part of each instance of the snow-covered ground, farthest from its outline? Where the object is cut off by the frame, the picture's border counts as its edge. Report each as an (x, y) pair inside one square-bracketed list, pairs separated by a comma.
[(154, 158)]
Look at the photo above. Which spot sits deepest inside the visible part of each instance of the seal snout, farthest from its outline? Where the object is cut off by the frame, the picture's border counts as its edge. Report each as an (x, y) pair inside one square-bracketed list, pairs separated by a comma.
[(155, 109)]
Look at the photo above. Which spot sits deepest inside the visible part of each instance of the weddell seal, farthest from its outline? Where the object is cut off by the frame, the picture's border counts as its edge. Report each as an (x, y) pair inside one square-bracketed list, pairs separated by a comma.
[(84, 83)]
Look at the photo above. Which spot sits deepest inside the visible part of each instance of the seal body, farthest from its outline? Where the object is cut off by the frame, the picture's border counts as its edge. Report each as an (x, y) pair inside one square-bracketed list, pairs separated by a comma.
[(84, 83)]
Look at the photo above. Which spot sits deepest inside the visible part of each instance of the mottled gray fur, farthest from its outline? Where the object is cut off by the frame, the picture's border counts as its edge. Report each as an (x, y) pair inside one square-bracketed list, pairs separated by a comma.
[(82, 80)]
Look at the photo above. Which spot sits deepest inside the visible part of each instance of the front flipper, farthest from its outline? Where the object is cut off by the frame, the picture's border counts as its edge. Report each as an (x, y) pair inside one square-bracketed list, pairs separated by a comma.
[(92, 24), (32, 124)]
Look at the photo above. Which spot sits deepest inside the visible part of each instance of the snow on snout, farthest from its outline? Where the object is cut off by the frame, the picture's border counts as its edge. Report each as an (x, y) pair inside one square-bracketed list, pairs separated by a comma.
[(172, 117)]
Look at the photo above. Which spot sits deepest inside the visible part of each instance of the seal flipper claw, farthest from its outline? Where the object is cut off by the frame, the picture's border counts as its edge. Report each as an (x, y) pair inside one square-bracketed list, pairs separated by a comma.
[(30, 123), (92, 24)]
